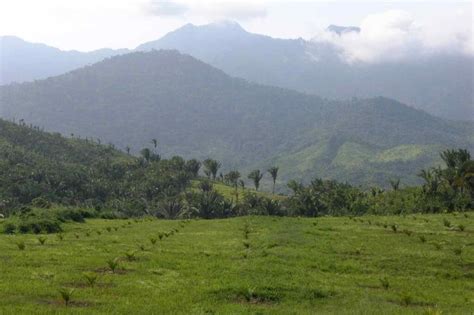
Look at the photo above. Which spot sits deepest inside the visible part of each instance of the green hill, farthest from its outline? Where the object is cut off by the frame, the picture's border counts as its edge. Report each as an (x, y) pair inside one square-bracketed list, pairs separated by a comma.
[(197, 111)]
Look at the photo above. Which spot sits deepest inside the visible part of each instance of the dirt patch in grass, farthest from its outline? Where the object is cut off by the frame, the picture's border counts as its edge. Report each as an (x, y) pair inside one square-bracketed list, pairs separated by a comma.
[(83, 285), (105, 270), (265, 296), (59, 303)]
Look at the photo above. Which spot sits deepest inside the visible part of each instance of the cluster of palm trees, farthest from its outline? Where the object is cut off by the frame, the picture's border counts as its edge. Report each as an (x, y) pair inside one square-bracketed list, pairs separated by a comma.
[(211, 168)]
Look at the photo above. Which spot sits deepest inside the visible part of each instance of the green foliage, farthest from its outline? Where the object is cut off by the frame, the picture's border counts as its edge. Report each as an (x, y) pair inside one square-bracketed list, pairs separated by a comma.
[(66, 295), (91, 278)]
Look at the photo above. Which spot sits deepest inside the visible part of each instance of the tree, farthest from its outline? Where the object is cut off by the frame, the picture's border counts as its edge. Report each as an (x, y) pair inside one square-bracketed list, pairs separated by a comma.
[(395, 183), (192, 166), (274, 173), (146, 154), (127, 149), (154, 142), (211, 167), (256, 176)]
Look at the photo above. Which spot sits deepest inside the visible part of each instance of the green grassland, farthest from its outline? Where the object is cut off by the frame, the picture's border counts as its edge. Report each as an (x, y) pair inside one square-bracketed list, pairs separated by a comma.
[(267, 265)]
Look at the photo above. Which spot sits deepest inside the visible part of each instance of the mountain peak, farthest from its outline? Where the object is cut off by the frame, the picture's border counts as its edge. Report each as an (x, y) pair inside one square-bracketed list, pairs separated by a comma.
[(339, 30)]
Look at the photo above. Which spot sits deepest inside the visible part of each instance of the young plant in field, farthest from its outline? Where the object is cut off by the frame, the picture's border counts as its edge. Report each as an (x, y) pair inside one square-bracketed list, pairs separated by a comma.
[(131, 255), (42, 240), (88, 233), (246, 244), (60, 236), (422, 238), (91, 278), (141, 247), (457, 251), (407, 299), (21, 245), (66, 295), (113, 264), (407, 232), (446, 223), (461, 227), (76, 235), (109, 229), (394, 228), (98, 232), (384, 282), (160, 236), (116, 228), (153, 240), (437, 245)]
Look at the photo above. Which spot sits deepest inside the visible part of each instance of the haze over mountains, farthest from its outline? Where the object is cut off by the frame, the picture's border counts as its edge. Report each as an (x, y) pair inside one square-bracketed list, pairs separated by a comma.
[(196, 110), (23, 61), (440, 84)]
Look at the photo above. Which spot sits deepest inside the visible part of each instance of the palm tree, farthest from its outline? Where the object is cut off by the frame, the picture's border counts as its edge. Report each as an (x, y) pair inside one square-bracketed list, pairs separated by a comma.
[(274, 173), (395, 183), (256, 176), (146, 153), (127, 149), (211, 167), (155, 142)]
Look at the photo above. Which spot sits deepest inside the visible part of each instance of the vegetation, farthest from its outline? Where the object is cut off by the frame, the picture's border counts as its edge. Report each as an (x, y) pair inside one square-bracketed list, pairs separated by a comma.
[(244, 265), (242, 125)]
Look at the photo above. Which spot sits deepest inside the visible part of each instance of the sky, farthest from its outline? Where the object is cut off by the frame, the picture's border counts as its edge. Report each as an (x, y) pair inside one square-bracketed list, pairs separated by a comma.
[(398, 27)]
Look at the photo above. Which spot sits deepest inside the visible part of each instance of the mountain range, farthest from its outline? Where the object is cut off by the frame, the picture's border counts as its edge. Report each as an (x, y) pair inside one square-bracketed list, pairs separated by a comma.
[(441, 84), (197, 110)]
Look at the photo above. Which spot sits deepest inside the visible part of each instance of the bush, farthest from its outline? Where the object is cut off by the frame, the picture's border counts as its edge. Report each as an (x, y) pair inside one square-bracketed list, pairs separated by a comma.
[(9, 228), (41, 203)]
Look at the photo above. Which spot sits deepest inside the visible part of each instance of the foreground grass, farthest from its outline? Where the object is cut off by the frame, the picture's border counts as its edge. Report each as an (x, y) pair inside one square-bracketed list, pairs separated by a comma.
[(245, 265)]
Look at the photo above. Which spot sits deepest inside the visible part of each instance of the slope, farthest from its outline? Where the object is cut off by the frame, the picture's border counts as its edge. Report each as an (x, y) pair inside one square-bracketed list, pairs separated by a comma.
[(195, 110)]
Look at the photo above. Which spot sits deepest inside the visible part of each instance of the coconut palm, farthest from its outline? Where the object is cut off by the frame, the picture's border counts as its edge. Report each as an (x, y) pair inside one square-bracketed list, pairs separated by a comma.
[(274, 173), (256, 176)]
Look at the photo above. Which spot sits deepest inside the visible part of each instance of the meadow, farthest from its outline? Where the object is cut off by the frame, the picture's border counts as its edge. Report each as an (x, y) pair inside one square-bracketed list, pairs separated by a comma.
[(417, 264)]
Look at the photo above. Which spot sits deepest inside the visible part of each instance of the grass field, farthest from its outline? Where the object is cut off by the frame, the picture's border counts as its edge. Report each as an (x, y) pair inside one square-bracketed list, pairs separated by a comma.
[(245, 265)]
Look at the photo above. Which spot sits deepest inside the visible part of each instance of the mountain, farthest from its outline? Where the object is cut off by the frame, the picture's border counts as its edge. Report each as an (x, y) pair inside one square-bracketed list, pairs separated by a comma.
[(23, 61), (196, 110), (342, 29), (440, 84)]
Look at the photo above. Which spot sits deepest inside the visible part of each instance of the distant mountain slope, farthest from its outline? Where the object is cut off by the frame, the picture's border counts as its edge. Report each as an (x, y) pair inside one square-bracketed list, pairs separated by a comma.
[(439, 84), (198, 111), (23, 61)]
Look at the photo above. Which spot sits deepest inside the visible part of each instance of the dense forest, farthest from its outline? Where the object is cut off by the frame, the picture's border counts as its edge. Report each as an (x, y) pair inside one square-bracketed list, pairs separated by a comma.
[(197, 111), (47, 178)]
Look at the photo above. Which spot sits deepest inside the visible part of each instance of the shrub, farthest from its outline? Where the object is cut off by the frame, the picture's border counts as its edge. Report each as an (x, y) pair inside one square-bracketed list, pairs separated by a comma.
[(42, 240), (384, 282), (446, 223), (113, 264), (91, 278), (461, 227), (66, 295), (9, 228), (130, 255), (21, 245), (41, 203)]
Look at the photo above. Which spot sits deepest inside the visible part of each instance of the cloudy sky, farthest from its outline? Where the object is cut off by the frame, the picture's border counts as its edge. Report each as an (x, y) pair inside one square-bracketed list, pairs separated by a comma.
[(398, 27)]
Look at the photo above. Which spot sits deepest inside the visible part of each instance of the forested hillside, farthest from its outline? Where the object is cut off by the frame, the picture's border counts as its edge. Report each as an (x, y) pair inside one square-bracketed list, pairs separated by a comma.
[(195, 110), (440, 84)]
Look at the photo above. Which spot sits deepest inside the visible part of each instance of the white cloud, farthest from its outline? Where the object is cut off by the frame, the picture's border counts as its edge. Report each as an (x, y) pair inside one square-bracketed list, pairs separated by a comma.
[(395, 35), (213, 9), (165, 8)]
